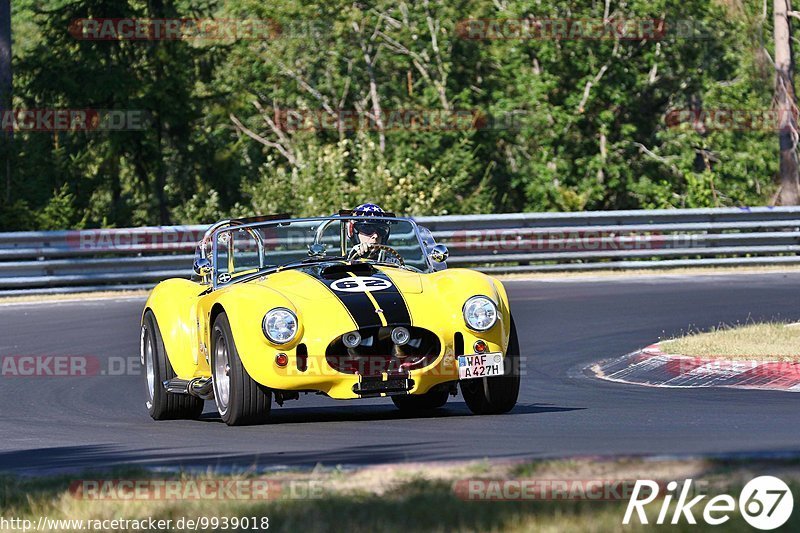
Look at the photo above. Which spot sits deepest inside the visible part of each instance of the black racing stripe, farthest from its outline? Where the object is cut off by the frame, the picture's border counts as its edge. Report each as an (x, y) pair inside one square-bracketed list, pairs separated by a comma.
[(360, 307), (395, 308), (357, 304)]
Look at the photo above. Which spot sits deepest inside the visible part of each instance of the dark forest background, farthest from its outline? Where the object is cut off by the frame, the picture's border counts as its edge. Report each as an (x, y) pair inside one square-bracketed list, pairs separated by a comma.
[(566, 124)]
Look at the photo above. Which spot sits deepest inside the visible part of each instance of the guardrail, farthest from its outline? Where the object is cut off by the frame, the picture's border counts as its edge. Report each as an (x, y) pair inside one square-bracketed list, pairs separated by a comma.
[(65, 261)]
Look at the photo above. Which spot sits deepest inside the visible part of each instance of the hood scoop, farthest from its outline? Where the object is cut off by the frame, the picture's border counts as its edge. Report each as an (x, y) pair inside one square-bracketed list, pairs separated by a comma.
[(343, 269)]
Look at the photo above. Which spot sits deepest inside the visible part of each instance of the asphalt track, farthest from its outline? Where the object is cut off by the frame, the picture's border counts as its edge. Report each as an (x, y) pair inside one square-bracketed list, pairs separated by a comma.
[(51, 424)]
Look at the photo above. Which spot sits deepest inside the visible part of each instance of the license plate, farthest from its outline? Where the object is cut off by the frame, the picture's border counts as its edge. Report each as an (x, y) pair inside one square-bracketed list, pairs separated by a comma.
[(480, 365)]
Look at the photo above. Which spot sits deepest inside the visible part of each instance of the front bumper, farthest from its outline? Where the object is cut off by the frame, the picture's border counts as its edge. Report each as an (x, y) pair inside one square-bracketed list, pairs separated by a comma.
[(312, 372)]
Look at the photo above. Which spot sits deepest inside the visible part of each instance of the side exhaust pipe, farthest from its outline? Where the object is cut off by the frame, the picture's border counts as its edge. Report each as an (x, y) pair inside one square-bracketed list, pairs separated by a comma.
[(202, 388)]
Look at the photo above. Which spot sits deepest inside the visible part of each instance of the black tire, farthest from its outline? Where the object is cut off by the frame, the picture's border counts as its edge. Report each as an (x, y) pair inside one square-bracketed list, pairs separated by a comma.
[(246, 402), (161, 404), (433, 399), (496, 395)]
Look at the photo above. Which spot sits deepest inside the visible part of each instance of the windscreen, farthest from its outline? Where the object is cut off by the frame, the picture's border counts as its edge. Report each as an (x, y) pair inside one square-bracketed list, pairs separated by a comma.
[(247, 249)]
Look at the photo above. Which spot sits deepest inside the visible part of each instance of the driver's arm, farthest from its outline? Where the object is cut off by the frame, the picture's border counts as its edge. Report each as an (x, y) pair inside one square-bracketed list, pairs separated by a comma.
[(360, 250)]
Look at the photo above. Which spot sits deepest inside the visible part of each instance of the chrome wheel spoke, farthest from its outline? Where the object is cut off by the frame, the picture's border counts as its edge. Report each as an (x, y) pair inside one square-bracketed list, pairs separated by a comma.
[(222, 370), (150, 370)]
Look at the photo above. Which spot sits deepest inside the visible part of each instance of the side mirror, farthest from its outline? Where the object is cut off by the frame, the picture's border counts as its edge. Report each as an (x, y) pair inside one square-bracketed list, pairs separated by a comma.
[(439, 253), (202, 267), (317, 249)]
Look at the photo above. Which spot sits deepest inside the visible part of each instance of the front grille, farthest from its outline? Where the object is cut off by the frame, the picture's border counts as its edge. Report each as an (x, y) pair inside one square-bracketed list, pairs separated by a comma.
[(378, 354)]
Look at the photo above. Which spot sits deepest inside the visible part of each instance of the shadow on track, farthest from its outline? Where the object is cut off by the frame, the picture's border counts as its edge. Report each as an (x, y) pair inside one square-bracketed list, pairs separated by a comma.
[(99, 457), (74, 460), (305, 415)]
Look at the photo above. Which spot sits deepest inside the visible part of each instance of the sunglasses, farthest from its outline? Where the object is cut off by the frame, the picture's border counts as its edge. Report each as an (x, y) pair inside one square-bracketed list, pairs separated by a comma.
[(367, 228)]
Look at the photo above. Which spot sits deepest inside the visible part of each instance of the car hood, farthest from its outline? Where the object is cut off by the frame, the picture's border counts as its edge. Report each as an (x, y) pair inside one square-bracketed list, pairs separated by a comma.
[(313, 282), (372, 296), (378, 296)]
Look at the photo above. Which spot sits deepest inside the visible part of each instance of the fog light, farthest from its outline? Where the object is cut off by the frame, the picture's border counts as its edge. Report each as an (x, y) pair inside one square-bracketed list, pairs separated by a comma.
[(352, 339), (400, 336), (480, 347), (281, 359)]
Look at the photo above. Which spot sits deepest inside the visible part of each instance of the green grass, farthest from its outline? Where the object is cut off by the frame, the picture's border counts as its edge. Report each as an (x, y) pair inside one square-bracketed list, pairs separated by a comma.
[(765, 342), (396, 499)]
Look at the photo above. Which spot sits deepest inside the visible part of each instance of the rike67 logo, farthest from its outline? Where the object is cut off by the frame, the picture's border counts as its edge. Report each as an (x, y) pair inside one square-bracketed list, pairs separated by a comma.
[(765, 503)]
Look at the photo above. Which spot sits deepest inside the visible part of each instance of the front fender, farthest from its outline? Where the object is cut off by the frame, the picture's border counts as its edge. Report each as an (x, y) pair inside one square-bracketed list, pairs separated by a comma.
[(454, 286), (174, 304), (245, 306)]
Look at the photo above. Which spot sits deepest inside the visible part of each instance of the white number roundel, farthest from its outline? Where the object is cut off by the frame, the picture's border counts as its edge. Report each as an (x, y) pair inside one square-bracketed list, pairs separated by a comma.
[(360, 284)]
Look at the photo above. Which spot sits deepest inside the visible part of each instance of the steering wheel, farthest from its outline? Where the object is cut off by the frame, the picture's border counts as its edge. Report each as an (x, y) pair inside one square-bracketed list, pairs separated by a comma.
[(388, 249), (391, 251)]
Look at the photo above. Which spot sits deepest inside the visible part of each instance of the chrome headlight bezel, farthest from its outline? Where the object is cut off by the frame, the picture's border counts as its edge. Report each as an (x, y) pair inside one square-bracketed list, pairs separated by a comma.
[(483, 300), (265, 328)]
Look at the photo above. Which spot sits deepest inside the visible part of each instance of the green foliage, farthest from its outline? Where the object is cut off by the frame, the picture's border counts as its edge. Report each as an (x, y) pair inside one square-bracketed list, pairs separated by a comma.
[(571, 124), (60, 212), (200, 208)]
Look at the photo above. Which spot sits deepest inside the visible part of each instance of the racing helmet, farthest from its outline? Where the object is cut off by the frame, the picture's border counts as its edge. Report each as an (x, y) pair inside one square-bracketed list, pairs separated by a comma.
[(371, 223)]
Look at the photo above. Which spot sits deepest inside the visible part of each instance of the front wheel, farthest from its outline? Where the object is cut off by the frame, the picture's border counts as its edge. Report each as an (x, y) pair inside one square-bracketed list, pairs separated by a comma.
[(496, 395), (240, 400)]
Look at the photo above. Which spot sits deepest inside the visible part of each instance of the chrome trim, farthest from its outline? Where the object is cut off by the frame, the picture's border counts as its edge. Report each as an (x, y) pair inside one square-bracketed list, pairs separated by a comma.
[(400, 336), (464, 316), (203, 268), (356, 335), (211, 235), (148, 359), (266, 333), (439, 253), (198, 387), (221, 375), (223, 225)]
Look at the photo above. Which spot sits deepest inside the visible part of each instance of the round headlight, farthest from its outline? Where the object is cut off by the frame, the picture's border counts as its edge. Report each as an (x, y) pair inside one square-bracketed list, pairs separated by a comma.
[(480, 313), (280, 325)]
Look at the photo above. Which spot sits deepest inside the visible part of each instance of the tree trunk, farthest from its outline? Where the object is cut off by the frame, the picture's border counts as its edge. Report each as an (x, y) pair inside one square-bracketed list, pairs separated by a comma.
[(785, 103), (5, 88), (157, 11)]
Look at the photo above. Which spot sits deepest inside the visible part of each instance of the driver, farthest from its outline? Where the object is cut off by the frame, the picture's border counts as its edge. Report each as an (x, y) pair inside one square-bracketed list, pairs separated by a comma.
[(364, 234)]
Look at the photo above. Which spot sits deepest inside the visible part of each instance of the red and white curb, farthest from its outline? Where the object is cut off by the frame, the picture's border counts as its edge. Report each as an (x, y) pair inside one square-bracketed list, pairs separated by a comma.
[(651, 366)]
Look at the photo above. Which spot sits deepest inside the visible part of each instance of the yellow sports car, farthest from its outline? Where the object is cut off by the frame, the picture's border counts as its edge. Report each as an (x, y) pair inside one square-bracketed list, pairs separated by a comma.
[(347, 306)]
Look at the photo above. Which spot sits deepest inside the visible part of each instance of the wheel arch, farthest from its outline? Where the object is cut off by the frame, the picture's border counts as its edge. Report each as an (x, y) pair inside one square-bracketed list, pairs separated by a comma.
[(245, 306), (174, 306), (216, 310)]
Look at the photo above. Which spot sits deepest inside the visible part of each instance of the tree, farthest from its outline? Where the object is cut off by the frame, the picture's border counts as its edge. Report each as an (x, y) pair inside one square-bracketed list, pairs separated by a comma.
[(118, 177), (5, 88), (564, 123), (786, 104)]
